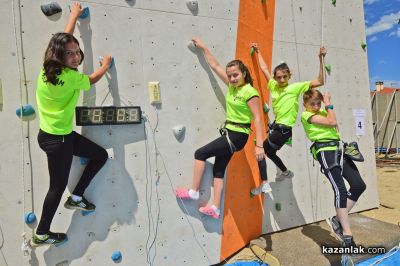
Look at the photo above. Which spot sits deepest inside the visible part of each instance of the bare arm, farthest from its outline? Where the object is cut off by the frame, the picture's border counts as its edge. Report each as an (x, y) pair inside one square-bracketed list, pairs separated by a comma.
[(211, 60), (263, 65), (320, 79), (76, 11), (330, 120), (254, 105), (98, 73)]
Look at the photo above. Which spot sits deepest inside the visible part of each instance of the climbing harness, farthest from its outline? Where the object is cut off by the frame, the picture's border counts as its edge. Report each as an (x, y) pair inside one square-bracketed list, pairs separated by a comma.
[(224, 132)]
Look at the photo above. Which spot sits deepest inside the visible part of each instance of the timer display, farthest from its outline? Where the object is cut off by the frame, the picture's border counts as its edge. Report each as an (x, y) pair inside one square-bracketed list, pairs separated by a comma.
[(108, 115)]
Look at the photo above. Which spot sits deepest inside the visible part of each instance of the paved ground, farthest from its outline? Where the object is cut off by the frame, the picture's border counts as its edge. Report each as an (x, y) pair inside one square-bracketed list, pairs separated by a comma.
[(302, 245)]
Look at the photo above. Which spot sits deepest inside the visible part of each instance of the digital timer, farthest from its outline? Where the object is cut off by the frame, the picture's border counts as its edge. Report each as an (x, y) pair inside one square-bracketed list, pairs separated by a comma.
[(108, 115)]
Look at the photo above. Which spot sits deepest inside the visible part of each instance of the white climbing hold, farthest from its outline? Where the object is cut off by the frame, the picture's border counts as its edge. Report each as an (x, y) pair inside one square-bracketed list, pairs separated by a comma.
[(179, 132), (192, 5)]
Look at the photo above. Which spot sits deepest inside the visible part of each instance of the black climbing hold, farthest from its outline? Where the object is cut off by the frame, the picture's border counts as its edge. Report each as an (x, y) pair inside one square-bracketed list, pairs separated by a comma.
[(51, 8)]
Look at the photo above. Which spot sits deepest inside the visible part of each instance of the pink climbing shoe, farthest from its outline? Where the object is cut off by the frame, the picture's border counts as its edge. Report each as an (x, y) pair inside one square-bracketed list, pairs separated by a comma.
[(182, 193), (208, 210)]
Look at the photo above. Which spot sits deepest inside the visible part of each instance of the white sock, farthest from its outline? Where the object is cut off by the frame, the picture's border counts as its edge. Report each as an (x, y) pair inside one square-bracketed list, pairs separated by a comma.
[(76, 198), (217, 211), (194, 194)]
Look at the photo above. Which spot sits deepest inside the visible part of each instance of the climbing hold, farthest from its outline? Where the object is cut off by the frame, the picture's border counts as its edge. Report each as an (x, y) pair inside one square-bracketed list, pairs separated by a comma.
[(116, 256), (328, 68), (84, 160), (363, 45), (27, 110), (252, 50), (85, 13), (263, 1), (334, 2), (51, 8), (266, 107), (289, 142), (193, 6), (112, 62), (179, 132), (29, 217), (85, 213), (278, 206)]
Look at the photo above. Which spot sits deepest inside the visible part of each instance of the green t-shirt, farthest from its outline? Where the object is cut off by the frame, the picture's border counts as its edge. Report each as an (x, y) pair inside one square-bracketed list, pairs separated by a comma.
[(56, 103), (285, 101), (319, 133), (237, 109)]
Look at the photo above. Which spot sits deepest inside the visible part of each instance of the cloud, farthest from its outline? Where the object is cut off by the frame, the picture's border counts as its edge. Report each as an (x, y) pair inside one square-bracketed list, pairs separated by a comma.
[(370, 2), (395, 33), (382, 62), (373, 39), (385, 23)]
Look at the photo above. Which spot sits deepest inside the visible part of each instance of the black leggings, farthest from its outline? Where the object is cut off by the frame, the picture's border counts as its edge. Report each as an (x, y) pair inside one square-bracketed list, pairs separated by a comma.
[(222, 151), (59, 150), (277, 137), (350, 173)]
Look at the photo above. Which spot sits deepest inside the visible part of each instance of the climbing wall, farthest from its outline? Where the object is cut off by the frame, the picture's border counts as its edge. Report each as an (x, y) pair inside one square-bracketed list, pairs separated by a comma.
[(137, 212)]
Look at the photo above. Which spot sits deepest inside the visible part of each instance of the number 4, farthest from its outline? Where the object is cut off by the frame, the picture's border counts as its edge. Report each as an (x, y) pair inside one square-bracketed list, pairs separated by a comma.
[(359, 125)]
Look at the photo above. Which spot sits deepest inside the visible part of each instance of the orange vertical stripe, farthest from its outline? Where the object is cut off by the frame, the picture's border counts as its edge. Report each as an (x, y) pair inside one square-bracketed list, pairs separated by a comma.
[(243, 214)]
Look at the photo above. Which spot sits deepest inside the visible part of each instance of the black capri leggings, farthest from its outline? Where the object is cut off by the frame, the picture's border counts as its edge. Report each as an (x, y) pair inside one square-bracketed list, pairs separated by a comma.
[(350, 173), (221, 150), (59, 150), (277, 137)]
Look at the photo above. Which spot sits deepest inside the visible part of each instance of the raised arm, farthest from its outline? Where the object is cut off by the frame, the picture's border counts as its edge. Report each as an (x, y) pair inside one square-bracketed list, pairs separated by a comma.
[(98, 73), (320, 79), (263, 65), (330, 120), (254, 104), (211, 60), (76, 11)]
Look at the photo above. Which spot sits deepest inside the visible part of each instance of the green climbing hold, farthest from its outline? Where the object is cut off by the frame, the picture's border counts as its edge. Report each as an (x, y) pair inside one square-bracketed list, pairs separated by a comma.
[(252, 50), (363, 45), (289, 142), (278, 206), (263, 1), (334, 2), (328, 68)]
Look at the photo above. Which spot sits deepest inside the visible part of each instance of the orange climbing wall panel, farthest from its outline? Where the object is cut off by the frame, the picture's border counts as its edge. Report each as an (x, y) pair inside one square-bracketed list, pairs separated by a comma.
[(242, 214)]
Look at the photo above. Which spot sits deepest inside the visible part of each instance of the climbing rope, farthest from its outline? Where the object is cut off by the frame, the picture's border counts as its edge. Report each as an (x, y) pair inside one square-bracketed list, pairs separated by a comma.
[(22, 76), (305, 142)]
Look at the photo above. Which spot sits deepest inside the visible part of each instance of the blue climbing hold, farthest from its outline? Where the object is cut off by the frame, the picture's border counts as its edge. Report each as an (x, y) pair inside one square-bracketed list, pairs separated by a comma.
[(27, 110), (85, 13), (112, 62), (29, 217), (116, 256), (84, 160)]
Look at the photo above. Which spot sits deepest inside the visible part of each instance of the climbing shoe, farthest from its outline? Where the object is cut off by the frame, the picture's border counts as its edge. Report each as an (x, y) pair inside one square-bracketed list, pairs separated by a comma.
[(348, 241), (49, 239), (263, 188), (83, 204), (335, 227), (282, 175)]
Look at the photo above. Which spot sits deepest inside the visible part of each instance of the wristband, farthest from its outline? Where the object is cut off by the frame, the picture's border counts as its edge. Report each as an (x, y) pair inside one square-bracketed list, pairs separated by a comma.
[(329, 107), (259, 146)]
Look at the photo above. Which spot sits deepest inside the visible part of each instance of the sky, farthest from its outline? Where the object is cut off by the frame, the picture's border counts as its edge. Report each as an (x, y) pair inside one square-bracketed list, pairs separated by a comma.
[(383, 41)]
